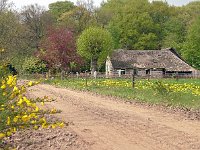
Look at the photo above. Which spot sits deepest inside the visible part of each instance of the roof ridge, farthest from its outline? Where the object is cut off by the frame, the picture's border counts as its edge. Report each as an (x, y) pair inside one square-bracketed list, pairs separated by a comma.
[(170, 48)]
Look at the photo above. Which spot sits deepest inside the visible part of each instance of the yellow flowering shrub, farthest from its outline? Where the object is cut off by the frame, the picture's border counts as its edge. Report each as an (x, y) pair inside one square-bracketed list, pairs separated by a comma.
[(19, 112)]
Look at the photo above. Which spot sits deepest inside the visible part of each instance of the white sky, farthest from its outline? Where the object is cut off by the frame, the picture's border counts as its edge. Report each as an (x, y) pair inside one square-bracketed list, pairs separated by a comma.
[(20, 3)]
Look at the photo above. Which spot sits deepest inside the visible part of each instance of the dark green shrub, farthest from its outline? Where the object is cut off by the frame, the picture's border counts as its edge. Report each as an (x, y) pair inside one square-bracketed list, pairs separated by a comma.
[(33, 65)]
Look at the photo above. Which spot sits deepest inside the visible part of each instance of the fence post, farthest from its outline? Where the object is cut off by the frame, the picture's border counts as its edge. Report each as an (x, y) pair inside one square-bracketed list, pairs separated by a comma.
[(77, 75), (95, 74), (86, 78), (62, 75), (133, 80), (177, 76)]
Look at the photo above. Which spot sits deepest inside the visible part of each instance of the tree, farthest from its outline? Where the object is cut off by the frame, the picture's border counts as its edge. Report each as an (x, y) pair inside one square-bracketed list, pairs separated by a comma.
[(192, 45), (87, 4), (108, 10), (133, 27), (161, 13), (60, 7), (33, 18), (58, 49), (77, 19), (103, 15), (12, 37), (80, 17), (192, 10), (5, 5), (175, 30), (33, 65), (95, 44)]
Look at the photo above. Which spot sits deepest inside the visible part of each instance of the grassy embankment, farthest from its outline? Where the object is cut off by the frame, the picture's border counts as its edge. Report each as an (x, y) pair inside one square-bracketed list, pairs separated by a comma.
[(181, 93)]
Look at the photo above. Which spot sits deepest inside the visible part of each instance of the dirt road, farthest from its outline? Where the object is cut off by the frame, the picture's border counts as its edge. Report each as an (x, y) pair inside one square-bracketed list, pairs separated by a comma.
[(107, 124)]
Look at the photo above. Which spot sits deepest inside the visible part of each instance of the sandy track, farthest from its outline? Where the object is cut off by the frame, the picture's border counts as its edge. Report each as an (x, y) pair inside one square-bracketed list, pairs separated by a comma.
[(107, 124)]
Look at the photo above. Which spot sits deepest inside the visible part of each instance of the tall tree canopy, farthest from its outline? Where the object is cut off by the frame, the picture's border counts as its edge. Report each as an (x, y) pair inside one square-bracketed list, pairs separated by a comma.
[(12, 38), (5, 5), (192, 45), (58, 49), (80, 17), (95, 44), (32, 18), (134, 27), (60, 7), (77, 19)]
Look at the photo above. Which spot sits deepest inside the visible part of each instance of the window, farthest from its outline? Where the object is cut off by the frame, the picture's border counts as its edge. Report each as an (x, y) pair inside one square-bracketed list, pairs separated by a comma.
[(123, 71), (147, 71)]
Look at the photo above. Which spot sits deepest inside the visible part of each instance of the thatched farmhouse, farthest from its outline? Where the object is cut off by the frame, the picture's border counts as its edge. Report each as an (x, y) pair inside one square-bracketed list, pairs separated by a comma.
[(154, 63)]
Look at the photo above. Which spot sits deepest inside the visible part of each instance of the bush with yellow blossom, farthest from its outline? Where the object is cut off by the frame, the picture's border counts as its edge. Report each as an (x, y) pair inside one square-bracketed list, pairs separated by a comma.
[(19, 112)]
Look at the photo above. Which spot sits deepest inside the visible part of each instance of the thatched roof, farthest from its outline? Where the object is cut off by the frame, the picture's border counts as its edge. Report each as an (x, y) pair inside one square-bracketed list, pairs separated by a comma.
[(165, 58)]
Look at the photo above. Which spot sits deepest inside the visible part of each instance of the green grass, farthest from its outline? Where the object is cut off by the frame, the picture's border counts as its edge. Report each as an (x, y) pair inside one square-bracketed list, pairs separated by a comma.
[(151, 96), (182, 81)]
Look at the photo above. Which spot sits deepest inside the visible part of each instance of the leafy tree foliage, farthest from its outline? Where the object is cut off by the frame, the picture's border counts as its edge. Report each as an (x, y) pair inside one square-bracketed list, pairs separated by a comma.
[(60, 7), (80, 17), (88, 4), (174, 33), (192, 45), (12, 38), (95, 44), (58, 49), (161, 13), (135, 26), (33, 65), (191, 11), (5, 5), (77, 19), (34, 17)]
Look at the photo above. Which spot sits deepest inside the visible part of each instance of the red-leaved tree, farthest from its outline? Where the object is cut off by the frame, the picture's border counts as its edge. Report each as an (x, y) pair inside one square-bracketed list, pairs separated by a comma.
[(58, 49)]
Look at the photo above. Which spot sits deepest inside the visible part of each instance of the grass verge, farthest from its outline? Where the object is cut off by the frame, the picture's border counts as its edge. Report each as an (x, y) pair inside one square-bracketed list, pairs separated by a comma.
[(182, 93)]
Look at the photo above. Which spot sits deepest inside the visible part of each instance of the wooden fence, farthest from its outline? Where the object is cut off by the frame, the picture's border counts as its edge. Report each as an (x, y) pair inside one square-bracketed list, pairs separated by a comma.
[(103, 75)]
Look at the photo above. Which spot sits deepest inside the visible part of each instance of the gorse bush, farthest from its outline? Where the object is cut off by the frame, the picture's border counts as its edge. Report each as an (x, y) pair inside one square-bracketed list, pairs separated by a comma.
[(19, 112)]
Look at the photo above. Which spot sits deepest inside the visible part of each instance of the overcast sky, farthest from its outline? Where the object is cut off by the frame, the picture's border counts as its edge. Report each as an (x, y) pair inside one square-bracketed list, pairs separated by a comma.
[(20, 3)]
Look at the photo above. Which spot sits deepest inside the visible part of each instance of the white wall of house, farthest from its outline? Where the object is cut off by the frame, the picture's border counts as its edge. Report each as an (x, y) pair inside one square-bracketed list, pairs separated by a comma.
[(109, 67)]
